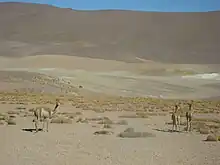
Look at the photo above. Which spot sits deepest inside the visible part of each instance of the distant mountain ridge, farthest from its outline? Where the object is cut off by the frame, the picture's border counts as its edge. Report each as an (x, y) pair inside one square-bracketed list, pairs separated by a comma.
[(34, 29)]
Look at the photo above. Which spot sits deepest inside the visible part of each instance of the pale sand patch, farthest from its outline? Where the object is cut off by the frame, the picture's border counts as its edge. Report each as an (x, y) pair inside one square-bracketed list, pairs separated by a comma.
[(120, 78), (62, 61), (73, 62)]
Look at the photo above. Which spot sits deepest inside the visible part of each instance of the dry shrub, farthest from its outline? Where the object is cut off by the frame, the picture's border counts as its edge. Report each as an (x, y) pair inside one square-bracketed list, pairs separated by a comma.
[(2, 116), (106, 121), (98, 118), (12, 116), (130, 129), (128, 116), (204, 131), (97, 110), (61, 120), (206, 120), (21, 108), (205, 128), (130, 133), (136, 134), (13, 113), (156, 114), (69, 114), (82, 120), (181, 123), (11, 121), (137, 115), (213, 125), (107, 126), (78, 113), (122, 122), (2, 122), (103, 132), (31, 110), (26, 114), (198, 125), (212, 138), (142, 115)]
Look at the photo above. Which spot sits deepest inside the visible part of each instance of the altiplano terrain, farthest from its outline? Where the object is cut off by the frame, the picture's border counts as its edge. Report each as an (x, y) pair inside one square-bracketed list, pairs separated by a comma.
[(127, 79), (91, 120), (116, 78), (35, 29)]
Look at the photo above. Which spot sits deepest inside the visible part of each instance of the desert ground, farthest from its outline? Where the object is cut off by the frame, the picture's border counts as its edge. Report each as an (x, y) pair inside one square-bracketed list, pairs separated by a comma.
[(121, 115)]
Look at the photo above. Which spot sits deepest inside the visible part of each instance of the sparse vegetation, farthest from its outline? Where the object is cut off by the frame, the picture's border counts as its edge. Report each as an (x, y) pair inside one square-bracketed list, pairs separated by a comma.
[(135, 134), (20, 108), (11, 121), (207, 120), (137, 115), (103, 132), (70, 115), (61, 120), (130, 129), (130, 133), (2, 116), (122, 122), (82, 120), (212, 138), (2, 122), (108, 126), (204, 131), (105, 120), (13, 112)]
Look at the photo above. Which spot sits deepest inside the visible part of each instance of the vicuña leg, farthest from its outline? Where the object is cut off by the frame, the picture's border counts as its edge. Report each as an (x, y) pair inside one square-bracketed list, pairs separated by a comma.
[(46, 122), (36, 119), (174, 124), (188, 121), (178, 122), (36, 123)]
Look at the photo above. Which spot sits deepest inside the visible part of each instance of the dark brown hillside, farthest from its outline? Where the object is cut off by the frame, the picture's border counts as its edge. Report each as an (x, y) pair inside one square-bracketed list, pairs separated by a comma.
[(33, 29)]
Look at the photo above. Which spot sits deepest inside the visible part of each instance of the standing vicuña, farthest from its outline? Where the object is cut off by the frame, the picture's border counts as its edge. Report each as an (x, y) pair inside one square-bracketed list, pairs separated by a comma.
[(175, 116), (44, 114), (189, 115)]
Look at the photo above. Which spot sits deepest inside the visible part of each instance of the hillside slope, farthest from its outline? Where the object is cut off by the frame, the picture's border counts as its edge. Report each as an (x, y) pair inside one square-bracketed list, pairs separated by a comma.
[(34, 29)]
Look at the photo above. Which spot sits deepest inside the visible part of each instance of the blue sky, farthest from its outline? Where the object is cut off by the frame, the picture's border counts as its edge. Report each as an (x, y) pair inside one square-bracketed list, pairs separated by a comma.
[(141, 5)]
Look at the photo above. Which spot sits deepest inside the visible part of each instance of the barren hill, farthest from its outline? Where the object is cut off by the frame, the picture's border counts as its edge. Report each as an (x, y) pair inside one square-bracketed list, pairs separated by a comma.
[(35, 29)]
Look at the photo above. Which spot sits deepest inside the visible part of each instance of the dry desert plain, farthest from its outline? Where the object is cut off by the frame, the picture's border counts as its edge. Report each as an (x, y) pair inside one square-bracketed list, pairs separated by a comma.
[(110, 120)]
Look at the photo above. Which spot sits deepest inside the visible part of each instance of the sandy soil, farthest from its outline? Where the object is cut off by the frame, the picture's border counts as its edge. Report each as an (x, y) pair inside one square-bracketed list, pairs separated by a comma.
[(76, 143), (37, 81)]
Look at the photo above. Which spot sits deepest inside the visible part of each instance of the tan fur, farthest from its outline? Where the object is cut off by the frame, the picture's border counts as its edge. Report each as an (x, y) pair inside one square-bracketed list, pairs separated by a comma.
[(44, 114), (189, 115), (175, 117), (175, 121), (189, 121)]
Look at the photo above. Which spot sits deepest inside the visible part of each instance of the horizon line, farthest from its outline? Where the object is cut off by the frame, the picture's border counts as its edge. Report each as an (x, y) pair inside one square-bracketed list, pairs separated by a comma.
[(111, 9)]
